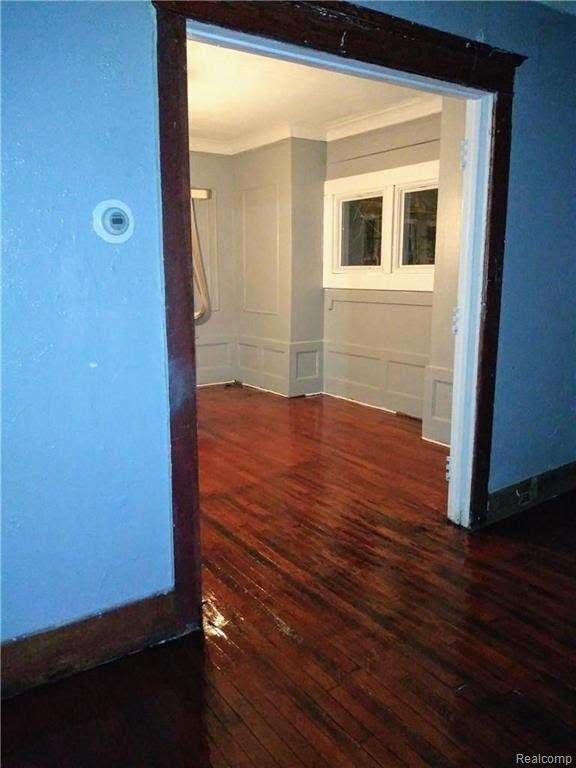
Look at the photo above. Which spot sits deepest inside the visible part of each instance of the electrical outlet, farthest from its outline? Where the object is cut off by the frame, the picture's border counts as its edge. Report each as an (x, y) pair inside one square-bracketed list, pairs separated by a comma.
[(528, 493)]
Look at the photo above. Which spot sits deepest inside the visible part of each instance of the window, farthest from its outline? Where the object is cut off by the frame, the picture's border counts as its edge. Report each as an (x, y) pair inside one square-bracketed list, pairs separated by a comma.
[(418, 227), (380, 229), (361, 240)]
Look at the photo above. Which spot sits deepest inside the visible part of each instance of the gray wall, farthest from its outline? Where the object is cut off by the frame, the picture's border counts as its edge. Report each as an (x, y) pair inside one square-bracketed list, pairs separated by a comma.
[(307, 322), (263, 234), (439, 372), (415, 141), (261, 237), (377, 343), (273, 326), (376, 347), (216, 332), (535, 413)]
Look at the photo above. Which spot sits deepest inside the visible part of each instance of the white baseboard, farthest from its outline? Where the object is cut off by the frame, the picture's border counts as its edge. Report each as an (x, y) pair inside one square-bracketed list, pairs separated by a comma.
[(216, 384), (261, 389), (358, 402), (436, 442)]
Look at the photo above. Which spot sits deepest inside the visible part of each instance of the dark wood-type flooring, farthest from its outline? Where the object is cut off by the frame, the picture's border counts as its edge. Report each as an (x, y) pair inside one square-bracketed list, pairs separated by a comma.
[(347, 623)]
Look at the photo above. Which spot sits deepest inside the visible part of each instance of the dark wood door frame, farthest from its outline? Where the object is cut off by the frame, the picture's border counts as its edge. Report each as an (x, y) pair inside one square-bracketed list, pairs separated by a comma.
[(332, 27), (352, 32)]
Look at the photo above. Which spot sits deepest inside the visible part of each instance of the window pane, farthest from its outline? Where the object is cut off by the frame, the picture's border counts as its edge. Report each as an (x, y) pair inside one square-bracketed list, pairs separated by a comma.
[(361, 232), (419, 236)]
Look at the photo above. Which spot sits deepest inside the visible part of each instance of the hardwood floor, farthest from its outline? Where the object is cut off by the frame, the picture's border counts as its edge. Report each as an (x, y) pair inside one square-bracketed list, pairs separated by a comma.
[(347, 623)]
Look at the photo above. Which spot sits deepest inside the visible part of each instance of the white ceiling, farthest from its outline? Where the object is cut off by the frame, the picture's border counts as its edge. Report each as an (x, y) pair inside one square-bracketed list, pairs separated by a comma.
[(240, 100)]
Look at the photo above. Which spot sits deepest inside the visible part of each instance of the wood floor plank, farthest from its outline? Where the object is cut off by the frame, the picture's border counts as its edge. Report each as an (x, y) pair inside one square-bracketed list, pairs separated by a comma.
[(347, 623)]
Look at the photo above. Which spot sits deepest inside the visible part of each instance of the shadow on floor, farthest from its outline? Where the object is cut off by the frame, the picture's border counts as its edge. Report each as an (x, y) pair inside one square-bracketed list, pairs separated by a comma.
[(147, 710)]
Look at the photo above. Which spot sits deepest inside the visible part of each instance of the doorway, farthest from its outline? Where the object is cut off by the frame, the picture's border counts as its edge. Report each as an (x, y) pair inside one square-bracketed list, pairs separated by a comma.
[(351, 41), (326, 217)]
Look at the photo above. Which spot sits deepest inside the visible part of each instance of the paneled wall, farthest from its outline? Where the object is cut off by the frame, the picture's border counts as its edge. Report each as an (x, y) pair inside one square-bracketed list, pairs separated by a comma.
[(439, 371), (377, 343), (273, 326), (307, 320), (261, 236), (376, 347), (216, 332), (415, 141)]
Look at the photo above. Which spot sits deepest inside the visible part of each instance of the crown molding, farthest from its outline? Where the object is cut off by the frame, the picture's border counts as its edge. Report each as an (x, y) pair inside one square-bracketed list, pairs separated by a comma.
[(256, 140), (421, 106), (199, 144)]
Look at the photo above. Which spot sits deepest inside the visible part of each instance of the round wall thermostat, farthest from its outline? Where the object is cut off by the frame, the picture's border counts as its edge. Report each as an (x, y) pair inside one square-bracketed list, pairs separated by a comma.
[(113, 221)]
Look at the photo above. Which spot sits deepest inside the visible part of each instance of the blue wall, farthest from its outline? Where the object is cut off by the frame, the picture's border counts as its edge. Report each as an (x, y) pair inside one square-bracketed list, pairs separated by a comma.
[(86, 458), (535, 415), (87, 520)]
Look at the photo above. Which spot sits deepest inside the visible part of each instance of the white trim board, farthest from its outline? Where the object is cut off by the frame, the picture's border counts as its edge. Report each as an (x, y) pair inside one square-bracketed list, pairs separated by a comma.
[(317, 394), (358, 402), (389, 185), (435, 442), (268, 391), (420, 106), (470, 281), (472, 257), (216, 384)]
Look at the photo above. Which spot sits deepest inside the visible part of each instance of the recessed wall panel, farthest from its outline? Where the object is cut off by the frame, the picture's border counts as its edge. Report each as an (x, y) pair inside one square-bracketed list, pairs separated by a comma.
[(306, 364), (260, 249), (248, 356), (442, 400), (275, 361)]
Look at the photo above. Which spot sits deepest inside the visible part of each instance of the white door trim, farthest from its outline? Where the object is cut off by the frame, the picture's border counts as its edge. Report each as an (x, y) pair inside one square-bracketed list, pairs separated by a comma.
[(476, 161)]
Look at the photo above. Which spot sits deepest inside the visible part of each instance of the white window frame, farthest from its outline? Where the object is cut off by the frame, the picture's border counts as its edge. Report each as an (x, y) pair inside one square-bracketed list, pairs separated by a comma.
[(337, 202), (390, 274), (398, 234)]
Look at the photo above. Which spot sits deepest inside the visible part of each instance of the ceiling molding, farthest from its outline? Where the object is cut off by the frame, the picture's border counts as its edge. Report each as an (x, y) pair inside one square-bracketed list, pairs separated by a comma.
[(198, 144), (352, 126), (398, 113), (246, 143)]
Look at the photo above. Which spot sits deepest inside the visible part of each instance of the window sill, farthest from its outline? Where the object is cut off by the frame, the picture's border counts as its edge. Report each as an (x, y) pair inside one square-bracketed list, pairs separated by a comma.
[(380, 281)]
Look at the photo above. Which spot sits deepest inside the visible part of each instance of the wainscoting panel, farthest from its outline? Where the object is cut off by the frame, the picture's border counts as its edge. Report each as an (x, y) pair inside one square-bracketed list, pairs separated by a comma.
[(264, 363), (437, 404), (274, 360), (215, 359), (306, 364), (381, 377), (403, 385), (287, 369), (353, 371), (248, 356)]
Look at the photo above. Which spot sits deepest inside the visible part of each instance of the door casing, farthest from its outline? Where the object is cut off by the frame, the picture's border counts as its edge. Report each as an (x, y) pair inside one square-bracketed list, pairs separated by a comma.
[(356, 39)]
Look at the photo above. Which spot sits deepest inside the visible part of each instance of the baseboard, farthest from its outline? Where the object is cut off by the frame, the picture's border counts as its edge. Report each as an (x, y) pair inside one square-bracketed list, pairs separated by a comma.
[(435, 442), (375, 375), (530, 493), (216, 384), (261, 389), (358, 402), (215, 358), (57, 653)]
